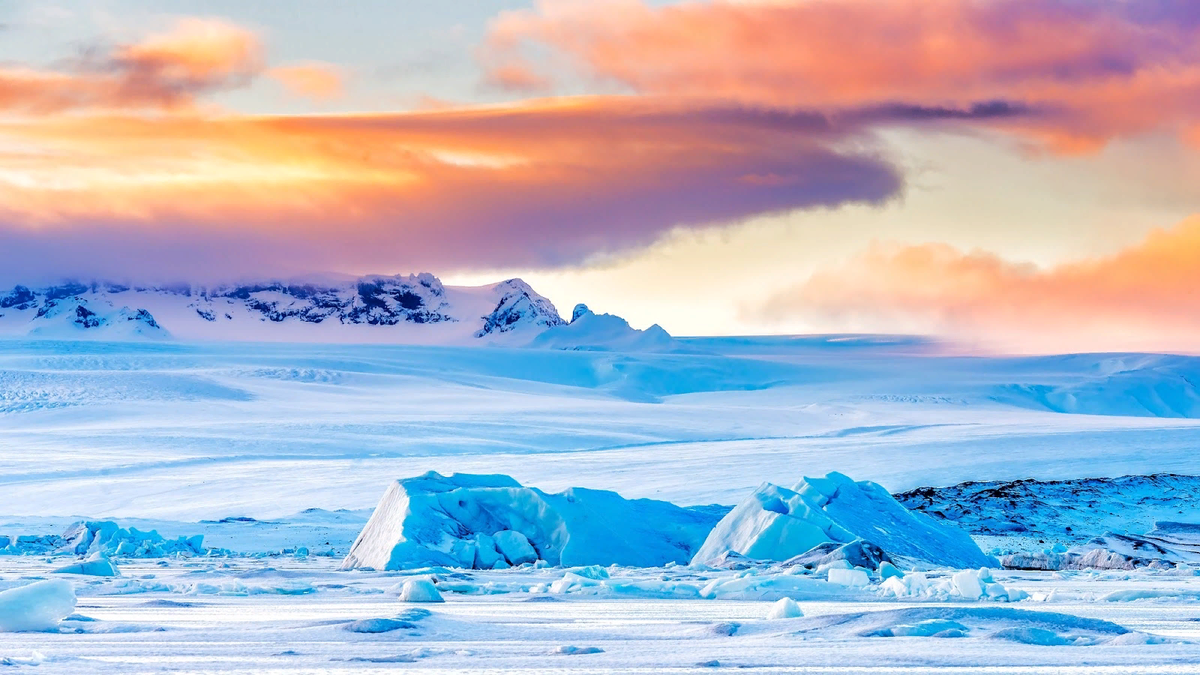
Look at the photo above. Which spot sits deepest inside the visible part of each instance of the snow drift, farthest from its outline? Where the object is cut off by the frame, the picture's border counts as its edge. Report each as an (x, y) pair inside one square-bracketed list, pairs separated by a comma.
[(994, 623), (776, 523), (490, 521)]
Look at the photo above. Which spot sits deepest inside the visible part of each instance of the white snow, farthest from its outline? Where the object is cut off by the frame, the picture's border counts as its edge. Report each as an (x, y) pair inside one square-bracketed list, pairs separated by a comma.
[(477, 521), (38, 606), (140, 433), (776, 523)]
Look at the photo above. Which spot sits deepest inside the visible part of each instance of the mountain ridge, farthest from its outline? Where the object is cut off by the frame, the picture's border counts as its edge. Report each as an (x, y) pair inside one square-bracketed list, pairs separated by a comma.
[(428, 310)]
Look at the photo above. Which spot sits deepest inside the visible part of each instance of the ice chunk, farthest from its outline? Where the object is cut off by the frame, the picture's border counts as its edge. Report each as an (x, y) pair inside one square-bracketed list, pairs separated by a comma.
[(785, 608), (969, 583), (96, 565), (964, 585), (486, 555), (420, 589), (36, 607), (887, 570), (857, 553), (846, 577), (776, 523), (572, 650), (515, 547), (460, 521), (106, 536)]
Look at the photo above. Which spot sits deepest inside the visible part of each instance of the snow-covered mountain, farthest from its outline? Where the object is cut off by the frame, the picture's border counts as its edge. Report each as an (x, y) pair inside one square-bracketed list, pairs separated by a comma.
[(414, 309), (589, 331)]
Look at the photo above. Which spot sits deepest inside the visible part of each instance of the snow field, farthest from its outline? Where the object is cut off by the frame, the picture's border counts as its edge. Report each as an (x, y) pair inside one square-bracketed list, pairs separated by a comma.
[(356, 622)]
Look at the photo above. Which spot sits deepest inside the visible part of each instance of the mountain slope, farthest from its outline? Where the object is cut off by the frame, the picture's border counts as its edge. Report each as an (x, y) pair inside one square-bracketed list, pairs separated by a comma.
[(414, 309)]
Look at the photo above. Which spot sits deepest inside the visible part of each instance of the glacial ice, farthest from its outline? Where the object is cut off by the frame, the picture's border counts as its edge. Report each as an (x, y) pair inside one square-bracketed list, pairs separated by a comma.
[(776, 523), (96, 565), (420, 589), (104, 537), (479, 521), (39, 606)]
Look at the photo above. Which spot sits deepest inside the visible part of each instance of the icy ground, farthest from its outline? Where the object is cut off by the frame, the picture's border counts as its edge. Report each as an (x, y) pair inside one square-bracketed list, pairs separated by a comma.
[(304, 616), (303, 439)]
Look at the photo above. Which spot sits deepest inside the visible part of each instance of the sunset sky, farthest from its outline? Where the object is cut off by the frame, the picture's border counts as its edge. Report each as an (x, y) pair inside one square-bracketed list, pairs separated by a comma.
[(1022, 175)]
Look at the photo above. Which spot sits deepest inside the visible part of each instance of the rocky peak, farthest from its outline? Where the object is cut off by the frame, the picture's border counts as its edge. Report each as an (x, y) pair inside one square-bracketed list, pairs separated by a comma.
[(519, 306)]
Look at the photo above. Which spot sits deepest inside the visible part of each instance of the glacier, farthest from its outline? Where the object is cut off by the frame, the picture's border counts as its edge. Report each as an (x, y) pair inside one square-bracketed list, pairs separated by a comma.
[(776, 523), (484, 522)]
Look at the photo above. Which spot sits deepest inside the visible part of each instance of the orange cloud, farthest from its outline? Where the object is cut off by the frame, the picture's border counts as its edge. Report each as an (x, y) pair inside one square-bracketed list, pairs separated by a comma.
[(1086, 72), (1142, 298), (164, 71), (318, 81), (542, 183)]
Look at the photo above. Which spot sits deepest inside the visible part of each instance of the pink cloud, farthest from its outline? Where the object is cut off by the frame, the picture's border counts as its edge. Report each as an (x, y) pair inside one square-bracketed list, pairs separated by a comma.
[(163, 71), (1141, 298), (315, 80), (1086, 72)]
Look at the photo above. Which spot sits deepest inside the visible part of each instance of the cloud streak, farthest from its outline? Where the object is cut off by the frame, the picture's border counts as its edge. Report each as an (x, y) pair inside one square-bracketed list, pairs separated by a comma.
[(1141, 298), (165, 71), (1092, 71), (540, 184), (312, 79)]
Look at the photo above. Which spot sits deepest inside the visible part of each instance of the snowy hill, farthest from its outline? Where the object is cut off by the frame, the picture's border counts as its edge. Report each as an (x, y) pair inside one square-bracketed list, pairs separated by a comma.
[(414, 309), (589, 331)]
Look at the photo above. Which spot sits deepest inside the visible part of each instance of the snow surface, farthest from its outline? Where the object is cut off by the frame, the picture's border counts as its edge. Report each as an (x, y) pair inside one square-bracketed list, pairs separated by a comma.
[(105, 430), (249, 616), (162, 435)]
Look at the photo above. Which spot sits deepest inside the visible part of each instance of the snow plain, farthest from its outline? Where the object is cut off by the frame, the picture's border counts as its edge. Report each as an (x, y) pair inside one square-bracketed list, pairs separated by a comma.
[(163, 435), (206, 431)]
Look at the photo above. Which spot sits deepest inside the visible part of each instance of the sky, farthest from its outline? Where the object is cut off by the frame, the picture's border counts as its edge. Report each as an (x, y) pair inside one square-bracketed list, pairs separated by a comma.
[(1017, 175)]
